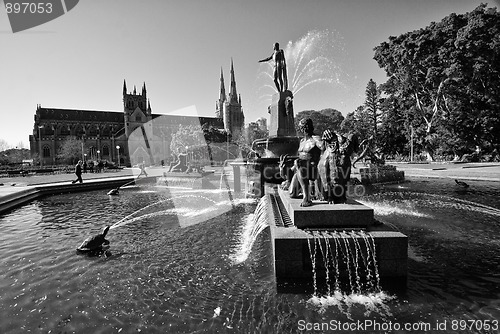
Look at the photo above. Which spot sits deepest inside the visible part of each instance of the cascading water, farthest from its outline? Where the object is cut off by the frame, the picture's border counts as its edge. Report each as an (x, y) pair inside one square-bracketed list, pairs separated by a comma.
[(254, 224), (344, 266)]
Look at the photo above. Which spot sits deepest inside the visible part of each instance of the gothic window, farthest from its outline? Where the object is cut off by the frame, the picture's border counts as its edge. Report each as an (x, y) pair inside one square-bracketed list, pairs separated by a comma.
[(105, 150), (105, 131), (64, 131), (138, 118), (92, 131), (46, 152), (93, 152), (79, 131), (48, 130)]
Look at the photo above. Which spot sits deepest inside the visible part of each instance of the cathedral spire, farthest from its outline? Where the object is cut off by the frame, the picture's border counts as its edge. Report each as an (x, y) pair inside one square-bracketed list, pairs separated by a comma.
[(233, 96), (135, 91), (222, 96), (144, 89), (124, 87)]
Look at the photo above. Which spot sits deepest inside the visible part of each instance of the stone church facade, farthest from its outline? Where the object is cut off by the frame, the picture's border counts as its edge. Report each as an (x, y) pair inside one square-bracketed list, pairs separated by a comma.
[(129, 137)]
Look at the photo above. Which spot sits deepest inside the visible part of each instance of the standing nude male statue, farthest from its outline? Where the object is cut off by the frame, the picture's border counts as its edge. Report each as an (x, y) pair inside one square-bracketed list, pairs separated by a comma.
[(280, 77)]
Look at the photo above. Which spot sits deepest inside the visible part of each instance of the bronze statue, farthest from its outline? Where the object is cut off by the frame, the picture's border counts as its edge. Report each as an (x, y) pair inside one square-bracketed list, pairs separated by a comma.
[(370, 152), (180, 165), (329, 168), (335, 165), (280, 77), (306, 166)]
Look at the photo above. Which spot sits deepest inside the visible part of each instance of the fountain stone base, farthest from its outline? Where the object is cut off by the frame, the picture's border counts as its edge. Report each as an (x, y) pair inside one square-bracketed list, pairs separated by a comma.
[(343, 229), (323, 215)]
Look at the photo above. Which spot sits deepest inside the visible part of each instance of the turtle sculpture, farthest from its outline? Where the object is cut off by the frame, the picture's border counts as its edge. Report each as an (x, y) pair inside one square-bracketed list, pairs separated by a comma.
[(94, 244)]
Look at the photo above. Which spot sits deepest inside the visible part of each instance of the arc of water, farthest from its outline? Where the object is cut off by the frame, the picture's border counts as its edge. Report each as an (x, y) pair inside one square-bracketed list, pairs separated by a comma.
[(119, 223), (307, 70)]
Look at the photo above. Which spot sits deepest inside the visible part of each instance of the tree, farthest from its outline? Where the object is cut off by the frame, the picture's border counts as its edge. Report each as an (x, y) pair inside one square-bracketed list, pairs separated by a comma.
[(322, 120), (449, 71), (70, 151), (14, 156), (357, 122), (372, 106), (394, 133), (3, 145)]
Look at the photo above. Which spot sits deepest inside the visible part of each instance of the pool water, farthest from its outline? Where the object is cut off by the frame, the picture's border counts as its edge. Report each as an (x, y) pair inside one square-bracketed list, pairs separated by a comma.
[(180, 262)]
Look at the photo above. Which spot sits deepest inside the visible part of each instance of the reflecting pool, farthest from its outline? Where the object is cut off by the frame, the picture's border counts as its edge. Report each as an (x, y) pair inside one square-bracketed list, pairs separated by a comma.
[(185, 261)]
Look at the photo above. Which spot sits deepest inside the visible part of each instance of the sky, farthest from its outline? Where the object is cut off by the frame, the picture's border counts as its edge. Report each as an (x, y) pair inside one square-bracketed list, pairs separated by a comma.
[(178, 48)]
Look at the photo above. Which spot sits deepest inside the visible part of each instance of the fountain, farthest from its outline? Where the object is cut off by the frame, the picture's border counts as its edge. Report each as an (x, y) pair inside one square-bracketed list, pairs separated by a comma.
[(189, 260), (296, 224)]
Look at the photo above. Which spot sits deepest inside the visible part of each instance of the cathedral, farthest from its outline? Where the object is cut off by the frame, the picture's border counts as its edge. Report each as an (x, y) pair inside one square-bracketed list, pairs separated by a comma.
[(128, 137)]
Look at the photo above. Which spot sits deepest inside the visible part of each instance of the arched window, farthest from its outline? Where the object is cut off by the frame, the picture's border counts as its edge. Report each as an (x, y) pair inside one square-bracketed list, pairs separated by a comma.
[(93, 152), (64, 131), (105, 150), (46, 152)]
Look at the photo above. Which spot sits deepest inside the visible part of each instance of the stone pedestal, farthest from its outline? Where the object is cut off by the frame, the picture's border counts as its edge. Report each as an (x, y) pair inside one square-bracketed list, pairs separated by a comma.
[(323, 215), (281, 120)]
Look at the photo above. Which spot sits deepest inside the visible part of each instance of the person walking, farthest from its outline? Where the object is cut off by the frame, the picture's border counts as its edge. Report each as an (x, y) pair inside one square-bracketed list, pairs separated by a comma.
[(143, 170), (78, 172)]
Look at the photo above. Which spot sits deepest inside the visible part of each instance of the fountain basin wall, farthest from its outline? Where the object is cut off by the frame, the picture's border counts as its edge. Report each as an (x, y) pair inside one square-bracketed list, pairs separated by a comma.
[(27, 194), (381, 174), (274, 147), (293, 258), (343, 229), (192, 181)]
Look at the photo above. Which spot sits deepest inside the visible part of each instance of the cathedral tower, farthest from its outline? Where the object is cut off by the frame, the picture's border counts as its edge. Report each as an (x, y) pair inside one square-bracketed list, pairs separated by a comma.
[(234, 118), (136, 107)]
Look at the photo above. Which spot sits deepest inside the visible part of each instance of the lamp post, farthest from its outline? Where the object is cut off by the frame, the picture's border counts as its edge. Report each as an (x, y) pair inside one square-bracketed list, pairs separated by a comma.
[(40, 153), (118, 149)]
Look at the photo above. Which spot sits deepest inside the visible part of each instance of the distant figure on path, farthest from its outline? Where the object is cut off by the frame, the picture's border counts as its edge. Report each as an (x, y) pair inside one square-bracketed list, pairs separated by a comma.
[(143, 170), (280, 77), (78, 172)]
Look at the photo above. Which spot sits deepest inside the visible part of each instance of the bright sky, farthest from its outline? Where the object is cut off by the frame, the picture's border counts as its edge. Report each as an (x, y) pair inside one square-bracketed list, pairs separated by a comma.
[(79, 60)]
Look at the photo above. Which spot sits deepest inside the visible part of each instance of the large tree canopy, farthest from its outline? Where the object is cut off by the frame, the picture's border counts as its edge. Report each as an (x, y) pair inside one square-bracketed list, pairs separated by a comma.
[(322, 120), (448, 74)]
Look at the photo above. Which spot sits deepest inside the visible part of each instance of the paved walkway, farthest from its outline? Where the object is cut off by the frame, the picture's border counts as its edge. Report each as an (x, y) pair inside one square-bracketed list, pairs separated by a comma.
[(463, 171), (20, 187)]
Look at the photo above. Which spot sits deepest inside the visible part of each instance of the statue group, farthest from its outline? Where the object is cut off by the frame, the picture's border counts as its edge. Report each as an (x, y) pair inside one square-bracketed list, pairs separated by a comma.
[(322, 168), (323, 165)]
